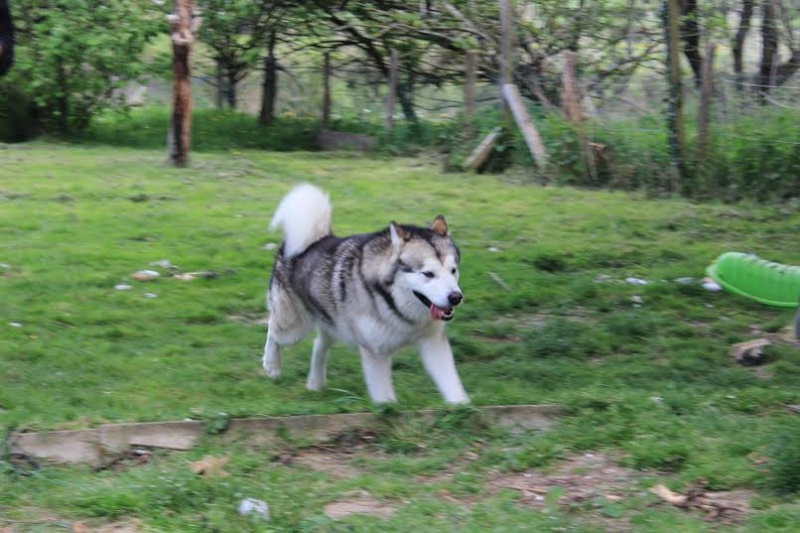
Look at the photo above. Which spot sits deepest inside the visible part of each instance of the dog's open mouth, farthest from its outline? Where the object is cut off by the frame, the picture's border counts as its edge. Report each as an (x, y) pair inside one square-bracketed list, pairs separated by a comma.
[(437, 313)]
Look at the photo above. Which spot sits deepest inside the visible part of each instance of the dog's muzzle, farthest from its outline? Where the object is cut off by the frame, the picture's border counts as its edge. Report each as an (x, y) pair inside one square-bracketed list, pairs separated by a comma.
[(441, 313)]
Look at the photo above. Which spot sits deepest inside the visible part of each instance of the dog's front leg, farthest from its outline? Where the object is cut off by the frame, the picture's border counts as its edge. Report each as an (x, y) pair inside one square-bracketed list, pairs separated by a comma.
[(272, 356), (437, 358), (319, 361), (378, 375)]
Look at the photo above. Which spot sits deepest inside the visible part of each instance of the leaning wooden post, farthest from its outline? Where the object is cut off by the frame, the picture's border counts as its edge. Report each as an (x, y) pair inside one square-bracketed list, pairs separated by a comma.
[(391, 98), (520, 114), (571, 101), (675, 127), (326, 90), (469, 95), (182, 27), (706, 92), (506, 55)]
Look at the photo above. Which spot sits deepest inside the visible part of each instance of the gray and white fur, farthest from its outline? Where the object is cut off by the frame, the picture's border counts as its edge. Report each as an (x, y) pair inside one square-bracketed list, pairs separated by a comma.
[(378, 291)]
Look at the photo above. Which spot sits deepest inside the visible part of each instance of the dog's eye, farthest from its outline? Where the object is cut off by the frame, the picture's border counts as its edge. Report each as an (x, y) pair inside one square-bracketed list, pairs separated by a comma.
[(427, 274), (453, 271)]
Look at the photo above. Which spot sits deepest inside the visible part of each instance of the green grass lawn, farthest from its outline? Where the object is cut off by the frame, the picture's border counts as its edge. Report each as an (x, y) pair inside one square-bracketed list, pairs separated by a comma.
[(643, 370)]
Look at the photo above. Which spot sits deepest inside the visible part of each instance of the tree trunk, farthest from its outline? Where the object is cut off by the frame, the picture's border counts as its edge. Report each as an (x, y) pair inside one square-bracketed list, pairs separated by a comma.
[(786, 70), (269, 90), (6, 38), (690, 33), (230, 92), (391, 95), (769, 50), (405, 94), (62, 100), (406, 99), (220, 96), (180, 127), (738, 43)]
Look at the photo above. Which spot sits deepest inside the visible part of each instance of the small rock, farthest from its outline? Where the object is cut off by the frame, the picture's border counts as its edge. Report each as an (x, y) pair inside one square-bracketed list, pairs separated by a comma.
[(685, 281), (270, 246), (150, 295), (251, 506), (750, 352), (637, 299), (601, 278), (493, 249), (122, 287), (184, 277), (15, 324), (145, 275), (164, 263), (711, 285), (636, 281)]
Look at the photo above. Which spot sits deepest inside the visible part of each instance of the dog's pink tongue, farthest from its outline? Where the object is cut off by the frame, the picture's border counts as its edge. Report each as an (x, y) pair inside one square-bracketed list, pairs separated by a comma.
[(436, 312)]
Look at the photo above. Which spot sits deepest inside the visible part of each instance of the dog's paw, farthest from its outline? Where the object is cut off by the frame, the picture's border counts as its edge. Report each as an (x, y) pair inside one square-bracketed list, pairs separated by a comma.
[(315, 385), (272, 368)]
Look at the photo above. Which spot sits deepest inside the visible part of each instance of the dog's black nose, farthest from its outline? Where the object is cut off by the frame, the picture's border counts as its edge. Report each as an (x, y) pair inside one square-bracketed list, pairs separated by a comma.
[(455, 298)]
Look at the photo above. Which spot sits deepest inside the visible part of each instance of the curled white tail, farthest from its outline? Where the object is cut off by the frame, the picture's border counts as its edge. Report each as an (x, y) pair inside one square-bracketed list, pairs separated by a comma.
[(305, 216)]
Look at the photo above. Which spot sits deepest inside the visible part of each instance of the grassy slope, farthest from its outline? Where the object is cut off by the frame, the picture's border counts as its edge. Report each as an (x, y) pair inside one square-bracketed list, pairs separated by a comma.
[(87, 353)]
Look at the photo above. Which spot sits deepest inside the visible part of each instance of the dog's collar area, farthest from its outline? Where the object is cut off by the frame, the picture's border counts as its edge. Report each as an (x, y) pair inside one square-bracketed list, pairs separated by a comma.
[(437, 313)]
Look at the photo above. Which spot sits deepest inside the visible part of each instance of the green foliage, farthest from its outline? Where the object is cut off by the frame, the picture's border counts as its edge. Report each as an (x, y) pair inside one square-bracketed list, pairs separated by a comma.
[(67, 69), (783, 465), (212, 131)]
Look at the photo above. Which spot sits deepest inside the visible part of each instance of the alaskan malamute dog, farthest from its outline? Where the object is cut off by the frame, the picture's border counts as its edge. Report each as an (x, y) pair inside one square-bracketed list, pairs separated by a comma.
[(379, 291)]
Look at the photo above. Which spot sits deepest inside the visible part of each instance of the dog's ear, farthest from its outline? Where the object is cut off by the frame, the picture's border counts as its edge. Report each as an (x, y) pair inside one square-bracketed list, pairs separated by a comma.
[(439, 226), (399, 235)]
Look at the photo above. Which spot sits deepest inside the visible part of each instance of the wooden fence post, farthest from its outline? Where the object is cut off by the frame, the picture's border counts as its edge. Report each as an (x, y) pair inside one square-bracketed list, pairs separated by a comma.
[(675, 127), (506, 55), (326, 90), (706, 92), (469, 95), (571, 100), (182, 29), (391, 98)]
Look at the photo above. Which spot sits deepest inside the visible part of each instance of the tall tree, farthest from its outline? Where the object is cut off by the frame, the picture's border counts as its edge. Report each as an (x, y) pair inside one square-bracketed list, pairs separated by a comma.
[(68, 73), (237, 32)]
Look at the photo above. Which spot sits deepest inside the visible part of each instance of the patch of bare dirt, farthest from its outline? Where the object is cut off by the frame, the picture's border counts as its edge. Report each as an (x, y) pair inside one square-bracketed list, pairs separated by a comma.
[(588, 481), (583, 478), (596, 483), (40, 519), (335, 464), (361, 504)]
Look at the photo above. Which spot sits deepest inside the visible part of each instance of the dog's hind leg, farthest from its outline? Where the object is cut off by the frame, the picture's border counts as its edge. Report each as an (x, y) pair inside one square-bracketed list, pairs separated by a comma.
[(378, 375), (319, 361), (272, 357), (437, 358)]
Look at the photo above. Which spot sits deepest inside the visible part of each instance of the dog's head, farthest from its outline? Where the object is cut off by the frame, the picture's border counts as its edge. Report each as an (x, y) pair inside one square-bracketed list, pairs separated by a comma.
[(426, 261)]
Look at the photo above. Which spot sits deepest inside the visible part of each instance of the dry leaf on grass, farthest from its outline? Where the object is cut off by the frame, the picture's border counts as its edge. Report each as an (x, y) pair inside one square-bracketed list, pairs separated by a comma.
[(210, 466), (673, 498)]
